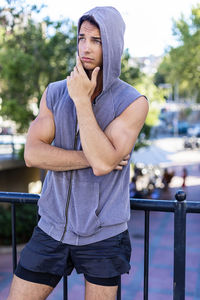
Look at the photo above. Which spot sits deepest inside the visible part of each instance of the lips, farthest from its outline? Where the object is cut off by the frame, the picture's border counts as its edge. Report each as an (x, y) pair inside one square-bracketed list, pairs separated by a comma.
[(86, 59)]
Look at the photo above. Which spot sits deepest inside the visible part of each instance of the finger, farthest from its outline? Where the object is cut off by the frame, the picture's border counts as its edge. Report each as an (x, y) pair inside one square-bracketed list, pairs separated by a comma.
[(76, 70), (79, 65), (123, 163), (94, 75), (127, 157), (119, 168), (68, 80), (72, 74)]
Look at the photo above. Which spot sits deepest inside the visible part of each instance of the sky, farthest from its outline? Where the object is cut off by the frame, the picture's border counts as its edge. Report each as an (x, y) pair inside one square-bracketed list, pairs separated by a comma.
[(148, 22)]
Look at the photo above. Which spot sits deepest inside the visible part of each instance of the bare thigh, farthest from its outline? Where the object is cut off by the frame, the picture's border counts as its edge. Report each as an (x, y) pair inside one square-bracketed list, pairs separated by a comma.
[(26, 290), (99, 292)]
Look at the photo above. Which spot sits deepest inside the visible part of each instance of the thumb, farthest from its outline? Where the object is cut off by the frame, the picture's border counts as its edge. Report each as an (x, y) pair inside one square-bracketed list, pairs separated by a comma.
[(94, 75)]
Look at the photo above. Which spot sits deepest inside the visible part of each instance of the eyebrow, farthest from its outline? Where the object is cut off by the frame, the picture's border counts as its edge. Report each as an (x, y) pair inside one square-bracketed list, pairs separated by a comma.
[(94, 37)]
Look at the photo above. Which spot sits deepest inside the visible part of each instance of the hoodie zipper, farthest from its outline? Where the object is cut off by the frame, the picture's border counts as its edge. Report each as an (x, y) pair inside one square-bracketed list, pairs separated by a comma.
[(70, 185)]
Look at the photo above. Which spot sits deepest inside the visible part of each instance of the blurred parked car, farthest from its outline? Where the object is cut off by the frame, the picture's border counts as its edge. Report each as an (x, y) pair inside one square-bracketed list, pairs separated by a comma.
[(194, 130), (179, 127), (182, 127), (192, 142)]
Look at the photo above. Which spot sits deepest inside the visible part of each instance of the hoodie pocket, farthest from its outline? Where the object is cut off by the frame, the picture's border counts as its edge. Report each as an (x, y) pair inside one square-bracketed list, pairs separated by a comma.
[(84, 203)]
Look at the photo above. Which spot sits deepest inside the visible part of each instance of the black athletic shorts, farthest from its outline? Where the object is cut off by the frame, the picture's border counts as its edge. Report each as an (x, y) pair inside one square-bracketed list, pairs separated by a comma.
[(45, 260)]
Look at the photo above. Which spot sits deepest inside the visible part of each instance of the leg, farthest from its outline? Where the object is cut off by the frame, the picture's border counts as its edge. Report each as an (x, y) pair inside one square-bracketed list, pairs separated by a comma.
[(35, 276), (99, 292), (26, 290), (99, 262)]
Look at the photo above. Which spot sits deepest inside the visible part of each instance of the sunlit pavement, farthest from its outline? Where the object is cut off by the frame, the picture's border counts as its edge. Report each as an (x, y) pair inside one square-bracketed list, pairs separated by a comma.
[(161, 245), (167, 152)]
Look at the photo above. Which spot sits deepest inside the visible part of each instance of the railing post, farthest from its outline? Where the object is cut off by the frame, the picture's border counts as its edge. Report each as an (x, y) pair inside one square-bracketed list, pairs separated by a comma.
[(65, 288), (14, 248), (119, 290), (146, 256), (179, 246)]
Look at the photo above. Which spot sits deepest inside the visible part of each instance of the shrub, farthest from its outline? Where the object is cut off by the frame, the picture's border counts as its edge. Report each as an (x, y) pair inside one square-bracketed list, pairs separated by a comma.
[(26, 215)]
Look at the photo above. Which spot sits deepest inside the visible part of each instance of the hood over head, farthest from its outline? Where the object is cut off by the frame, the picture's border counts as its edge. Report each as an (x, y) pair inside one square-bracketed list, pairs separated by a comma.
[(112, 28)]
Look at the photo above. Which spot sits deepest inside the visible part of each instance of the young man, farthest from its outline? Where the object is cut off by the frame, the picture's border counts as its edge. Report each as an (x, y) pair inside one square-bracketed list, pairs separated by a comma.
[(84, 134)]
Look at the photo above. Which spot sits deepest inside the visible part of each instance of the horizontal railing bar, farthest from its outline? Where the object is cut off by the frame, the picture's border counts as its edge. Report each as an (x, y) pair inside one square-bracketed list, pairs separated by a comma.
[(163, 205), (136, 204), (153, 205), (193, 207), (10, 197)]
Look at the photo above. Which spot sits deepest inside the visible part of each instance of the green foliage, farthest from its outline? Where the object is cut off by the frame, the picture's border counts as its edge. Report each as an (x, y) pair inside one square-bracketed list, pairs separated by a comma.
[(25, 222), (156, 97), (129, 73), (145, 85), (5, 226), (163, 71), (31, 55), (181, 67), (20, 153)]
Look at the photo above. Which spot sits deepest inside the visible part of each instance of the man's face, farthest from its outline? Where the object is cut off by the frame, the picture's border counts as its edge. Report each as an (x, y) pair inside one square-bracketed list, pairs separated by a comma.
[(89, 46)]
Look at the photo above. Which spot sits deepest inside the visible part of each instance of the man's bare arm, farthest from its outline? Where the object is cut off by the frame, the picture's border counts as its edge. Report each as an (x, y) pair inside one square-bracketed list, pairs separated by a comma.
[(40, 153), (38, 149), (104, 150)]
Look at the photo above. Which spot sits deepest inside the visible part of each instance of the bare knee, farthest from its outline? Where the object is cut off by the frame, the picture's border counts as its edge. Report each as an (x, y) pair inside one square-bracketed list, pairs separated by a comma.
[(99, 292), (26, 290)]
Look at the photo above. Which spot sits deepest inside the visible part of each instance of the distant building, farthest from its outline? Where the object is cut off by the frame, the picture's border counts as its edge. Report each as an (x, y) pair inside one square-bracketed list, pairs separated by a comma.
[(147, 64)]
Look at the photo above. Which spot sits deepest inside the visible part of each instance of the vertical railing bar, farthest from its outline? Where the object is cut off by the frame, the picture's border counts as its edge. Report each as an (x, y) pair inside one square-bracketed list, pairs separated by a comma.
[(179, 246), (37, 215), (65, 288), (119, 290), (146, 256), (14, 248)]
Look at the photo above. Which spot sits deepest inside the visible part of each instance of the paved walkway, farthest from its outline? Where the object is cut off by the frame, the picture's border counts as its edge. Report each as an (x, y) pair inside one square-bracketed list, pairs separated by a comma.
[(166, 152), (161, 253)]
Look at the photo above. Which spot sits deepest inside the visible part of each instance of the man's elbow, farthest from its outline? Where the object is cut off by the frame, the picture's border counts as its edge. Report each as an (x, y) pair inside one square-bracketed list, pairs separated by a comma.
[(28, 163), (27, 159), (102, 170)]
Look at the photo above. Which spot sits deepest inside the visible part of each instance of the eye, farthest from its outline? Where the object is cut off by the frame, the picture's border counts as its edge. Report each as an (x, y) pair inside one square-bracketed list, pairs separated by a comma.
[(81, 39), (98, 42)]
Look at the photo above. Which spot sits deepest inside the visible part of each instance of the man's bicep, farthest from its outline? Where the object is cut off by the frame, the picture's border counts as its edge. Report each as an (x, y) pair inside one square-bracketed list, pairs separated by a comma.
[(124, 130), (121, 137), (43, 127)]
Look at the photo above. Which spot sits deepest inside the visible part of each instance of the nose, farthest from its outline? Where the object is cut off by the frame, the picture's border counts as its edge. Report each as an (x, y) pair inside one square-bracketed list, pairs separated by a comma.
[(87, 46)]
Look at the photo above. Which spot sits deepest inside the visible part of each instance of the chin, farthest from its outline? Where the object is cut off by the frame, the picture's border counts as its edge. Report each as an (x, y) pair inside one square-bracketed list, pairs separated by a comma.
[(88, 67)]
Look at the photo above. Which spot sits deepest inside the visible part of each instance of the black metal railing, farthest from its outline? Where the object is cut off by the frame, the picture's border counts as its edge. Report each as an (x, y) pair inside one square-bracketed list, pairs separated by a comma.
[(180, 207)]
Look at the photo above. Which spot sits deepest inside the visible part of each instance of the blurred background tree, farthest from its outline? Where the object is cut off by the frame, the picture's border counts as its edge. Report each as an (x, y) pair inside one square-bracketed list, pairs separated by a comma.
[(32, 54), (181, 65), (131, 73)]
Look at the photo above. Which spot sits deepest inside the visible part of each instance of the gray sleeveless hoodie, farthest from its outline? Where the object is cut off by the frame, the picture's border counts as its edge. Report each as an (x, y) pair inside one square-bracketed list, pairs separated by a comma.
[(98, 206)]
